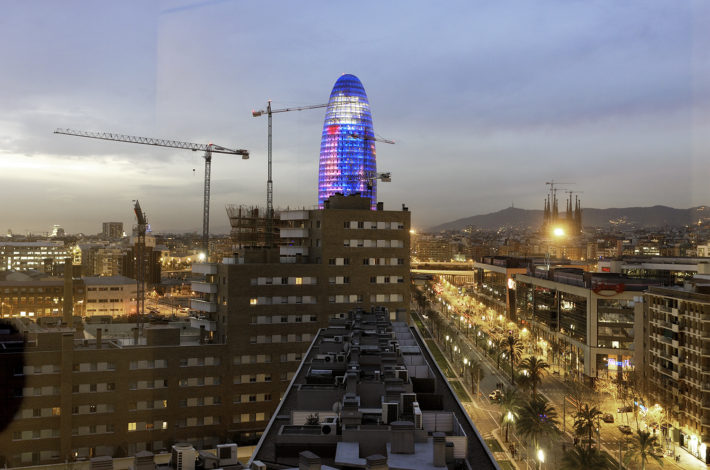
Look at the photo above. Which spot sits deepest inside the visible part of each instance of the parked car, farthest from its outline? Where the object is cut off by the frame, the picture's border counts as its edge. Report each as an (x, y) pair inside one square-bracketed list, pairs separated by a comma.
[(625, 429), (608, 418), (495, 395), (625, 409)]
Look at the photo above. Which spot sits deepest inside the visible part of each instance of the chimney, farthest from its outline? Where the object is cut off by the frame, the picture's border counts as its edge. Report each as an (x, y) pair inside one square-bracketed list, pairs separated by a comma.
[(99, 332), (402, 437), (307, 460), (376, 462), (202, 334), (439, 440), (68, 308)]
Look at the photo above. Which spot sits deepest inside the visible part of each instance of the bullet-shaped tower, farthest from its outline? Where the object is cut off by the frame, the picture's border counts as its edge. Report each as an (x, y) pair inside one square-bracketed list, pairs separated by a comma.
[(347, 151)]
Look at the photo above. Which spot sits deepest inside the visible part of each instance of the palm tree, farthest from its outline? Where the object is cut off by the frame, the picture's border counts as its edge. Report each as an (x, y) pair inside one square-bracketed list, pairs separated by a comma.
[(509, 405), (586, 420), (515, 349), (642, 448), (534, 369), (499, 343), (537, 419), (584, 458), (477, 374)]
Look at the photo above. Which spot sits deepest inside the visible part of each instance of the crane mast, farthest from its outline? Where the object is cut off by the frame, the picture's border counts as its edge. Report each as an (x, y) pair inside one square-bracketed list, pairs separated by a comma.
[(139, 252), (269, 182), (208, 150)]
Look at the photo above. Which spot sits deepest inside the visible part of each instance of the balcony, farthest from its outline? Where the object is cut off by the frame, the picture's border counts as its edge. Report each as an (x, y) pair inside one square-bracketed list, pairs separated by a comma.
[(203, 306), (204, 287), (293, 250), (204, 268), (208, 324), (294, 215), (294, 233)]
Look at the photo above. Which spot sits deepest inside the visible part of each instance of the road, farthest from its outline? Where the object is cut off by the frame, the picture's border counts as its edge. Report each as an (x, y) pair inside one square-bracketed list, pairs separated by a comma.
[(485, 414)]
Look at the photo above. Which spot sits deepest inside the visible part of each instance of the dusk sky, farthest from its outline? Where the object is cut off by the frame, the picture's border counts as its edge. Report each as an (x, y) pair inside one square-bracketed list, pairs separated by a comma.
[(486, 101)]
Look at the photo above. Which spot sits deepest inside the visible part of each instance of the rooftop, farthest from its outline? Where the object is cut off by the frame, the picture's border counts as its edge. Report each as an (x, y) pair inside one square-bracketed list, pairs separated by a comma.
[(368, 389)]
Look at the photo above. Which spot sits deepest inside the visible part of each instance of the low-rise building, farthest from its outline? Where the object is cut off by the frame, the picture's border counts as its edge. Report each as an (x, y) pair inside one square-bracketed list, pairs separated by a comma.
[(110, 295)]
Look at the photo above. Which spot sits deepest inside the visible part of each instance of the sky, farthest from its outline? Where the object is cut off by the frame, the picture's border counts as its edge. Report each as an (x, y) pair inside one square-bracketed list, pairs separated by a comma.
[(486, 101)]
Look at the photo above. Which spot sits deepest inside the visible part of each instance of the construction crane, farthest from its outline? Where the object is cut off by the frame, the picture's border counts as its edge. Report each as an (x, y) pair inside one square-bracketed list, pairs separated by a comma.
[(371, 176), (376, 139), (269, 182), (139, 248), (209, 149)]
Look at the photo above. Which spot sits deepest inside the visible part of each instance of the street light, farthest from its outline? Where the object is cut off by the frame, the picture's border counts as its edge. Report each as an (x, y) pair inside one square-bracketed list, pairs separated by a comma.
[(541, 456)]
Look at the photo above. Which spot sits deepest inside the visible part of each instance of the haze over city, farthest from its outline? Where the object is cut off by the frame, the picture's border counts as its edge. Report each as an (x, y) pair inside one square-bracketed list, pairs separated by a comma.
[(485, 101)]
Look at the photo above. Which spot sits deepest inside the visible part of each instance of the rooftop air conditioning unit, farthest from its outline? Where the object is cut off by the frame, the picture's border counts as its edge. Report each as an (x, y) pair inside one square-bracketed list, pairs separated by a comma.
[(338, 339), (340, 357), (390, 412), (227, 454), (402, 374), (408, 400), (183, 457), (258, 465), (324, 357), (327, 429), (418, 418)]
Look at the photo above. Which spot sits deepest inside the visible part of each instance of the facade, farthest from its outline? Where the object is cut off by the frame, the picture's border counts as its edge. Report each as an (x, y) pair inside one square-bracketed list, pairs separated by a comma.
[(39, 255), (347, 152), (267, 304), (112, 230), (110, 295), (368, 394), (596, 319), (678, 355)]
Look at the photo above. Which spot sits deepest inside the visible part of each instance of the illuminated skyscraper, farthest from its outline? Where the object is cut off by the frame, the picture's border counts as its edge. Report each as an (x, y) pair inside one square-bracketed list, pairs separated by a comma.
[(347, 149)]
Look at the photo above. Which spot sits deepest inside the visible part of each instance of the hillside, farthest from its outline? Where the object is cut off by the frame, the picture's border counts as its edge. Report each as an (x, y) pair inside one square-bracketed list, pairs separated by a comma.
[(656, 216)]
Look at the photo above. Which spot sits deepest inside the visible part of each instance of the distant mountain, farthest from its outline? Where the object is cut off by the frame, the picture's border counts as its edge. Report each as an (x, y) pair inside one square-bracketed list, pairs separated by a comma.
[(656, 216)]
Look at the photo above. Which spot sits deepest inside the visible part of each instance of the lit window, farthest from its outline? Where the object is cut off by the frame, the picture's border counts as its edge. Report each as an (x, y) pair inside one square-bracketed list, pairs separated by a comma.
[(131, 426), (253, 301)]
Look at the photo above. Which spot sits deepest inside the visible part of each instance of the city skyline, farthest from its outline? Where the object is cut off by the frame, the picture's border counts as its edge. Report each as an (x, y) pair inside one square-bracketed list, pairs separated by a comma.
[(485, 101)]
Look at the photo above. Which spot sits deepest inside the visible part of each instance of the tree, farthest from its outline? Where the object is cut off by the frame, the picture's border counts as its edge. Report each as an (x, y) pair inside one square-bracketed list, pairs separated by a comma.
[(515, 349), (313, 419), (642, 448), (586, 420), (534, 370), (579, 457), (419, 298), (537, 419), (509, 406), (477, 374)]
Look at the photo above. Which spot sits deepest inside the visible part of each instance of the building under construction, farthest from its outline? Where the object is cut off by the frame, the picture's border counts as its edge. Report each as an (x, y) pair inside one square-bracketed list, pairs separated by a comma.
[(250, 226)]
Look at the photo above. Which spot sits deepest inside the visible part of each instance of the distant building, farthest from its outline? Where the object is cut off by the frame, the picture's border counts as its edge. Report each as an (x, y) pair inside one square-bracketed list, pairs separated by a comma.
[(39, 255), (112, 230), (347, 151), (24, 296), (368, 394), (112, 295)]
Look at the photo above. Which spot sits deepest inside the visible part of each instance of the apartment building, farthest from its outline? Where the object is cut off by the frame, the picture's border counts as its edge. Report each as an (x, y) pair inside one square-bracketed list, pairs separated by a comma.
[(678, 358)]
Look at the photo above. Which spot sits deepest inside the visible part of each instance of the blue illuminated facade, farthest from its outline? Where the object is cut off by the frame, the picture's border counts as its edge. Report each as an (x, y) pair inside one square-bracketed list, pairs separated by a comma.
[(347, 149)]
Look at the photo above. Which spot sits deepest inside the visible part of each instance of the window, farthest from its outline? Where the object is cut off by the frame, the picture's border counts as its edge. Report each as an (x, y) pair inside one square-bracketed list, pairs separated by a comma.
[(131, 427)]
